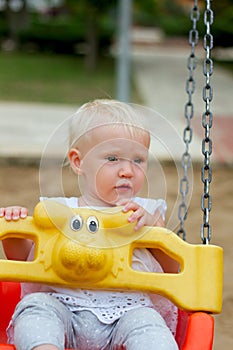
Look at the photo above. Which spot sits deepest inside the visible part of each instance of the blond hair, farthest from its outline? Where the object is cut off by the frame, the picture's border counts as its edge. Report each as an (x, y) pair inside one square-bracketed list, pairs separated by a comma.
[(102, 112)]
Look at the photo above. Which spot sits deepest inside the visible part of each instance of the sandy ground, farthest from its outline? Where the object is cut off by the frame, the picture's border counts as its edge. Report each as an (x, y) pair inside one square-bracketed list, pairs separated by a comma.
[(20, 185)]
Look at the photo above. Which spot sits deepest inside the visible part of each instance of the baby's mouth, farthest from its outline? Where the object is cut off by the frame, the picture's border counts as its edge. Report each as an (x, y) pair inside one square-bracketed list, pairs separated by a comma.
[(124, 186)]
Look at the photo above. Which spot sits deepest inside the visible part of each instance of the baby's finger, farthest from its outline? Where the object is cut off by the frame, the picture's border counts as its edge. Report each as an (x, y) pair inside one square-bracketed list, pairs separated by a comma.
[(136, 215), (140, 223), (131, 206), (2, 212), (16, 213), (23, 213), (8, 214)]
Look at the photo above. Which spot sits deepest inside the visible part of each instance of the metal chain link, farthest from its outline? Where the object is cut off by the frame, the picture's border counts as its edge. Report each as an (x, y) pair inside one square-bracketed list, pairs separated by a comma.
[(188, 112), (207, 121)]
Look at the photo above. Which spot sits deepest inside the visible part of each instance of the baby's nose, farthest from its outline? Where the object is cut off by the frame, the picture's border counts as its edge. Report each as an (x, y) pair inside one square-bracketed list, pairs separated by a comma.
[(126, 169)]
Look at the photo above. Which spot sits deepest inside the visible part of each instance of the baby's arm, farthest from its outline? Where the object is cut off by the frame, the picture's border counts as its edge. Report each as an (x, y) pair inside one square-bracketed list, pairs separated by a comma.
[(15, 248)]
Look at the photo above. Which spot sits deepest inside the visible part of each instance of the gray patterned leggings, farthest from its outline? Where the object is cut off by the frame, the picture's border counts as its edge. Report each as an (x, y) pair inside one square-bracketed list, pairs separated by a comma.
[(40, 319)]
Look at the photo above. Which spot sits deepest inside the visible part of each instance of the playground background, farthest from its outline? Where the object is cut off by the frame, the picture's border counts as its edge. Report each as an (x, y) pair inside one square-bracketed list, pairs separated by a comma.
[(21, 186)]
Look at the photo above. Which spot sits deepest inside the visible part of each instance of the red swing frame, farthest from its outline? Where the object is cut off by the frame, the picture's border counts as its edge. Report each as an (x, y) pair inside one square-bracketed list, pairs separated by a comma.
[(195, 331)]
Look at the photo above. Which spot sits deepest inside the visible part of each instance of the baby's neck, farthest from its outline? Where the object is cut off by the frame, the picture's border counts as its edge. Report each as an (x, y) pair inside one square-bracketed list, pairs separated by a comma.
[(84, 201)]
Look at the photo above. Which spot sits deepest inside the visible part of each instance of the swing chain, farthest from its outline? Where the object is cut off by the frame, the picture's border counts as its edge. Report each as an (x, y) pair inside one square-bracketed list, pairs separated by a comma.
[(188, 112), (207, 121)]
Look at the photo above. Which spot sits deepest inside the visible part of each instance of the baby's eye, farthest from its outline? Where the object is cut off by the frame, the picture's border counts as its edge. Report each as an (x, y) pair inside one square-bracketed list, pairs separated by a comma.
[(92, 224), (138, 160), (112, 158), (76, 223)]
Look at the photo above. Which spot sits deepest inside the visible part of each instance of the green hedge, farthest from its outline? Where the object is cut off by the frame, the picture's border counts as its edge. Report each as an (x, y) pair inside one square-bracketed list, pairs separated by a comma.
[(175, 25), (61, 36), (52, 37)]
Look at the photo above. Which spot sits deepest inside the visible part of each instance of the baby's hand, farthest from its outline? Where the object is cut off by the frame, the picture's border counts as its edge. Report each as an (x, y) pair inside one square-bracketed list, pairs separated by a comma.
[(143, 217), (140, 215), (13, 213)]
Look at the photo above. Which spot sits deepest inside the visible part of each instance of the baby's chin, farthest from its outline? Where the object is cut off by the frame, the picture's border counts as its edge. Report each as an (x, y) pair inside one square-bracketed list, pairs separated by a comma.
[(121, 201)]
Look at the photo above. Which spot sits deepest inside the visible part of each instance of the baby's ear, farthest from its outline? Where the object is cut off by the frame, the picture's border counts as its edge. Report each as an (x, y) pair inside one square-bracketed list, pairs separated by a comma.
[(75, 160), (49, 213)]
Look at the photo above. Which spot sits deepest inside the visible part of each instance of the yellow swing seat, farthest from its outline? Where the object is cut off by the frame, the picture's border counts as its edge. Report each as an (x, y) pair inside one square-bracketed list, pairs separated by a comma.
[(102, 259)]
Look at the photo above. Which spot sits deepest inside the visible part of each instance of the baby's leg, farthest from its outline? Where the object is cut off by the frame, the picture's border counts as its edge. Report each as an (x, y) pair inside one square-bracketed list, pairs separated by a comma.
[(143, 328), (40, 319)]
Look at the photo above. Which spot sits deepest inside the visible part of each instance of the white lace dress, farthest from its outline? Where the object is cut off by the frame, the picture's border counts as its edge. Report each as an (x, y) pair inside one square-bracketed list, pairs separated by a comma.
[(109, 306)]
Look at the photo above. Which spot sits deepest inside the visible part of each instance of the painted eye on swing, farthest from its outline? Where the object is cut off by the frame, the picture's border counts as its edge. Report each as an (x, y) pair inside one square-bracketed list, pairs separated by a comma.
[(92, 224), (76, 223)]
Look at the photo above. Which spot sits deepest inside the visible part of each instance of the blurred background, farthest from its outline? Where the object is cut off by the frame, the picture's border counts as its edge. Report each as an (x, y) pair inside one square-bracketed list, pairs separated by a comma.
[(58, 54), (62, 51)]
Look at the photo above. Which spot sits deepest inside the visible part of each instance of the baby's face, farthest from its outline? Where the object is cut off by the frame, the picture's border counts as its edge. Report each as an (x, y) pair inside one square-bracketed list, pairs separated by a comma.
[(113, 165)]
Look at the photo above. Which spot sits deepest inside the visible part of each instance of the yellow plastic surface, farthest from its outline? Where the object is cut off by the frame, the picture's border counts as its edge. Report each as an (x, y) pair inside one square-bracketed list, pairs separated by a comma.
[(102, 260)]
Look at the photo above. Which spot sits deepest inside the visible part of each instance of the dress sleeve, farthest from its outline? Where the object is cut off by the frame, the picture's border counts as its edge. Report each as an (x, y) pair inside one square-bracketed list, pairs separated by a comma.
[(71, 202), (151, 205)]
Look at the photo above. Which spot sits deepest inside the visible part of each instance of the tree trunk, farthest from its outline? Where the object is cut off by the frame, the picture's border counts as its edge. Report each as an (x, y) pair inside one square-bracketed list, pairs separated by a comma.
[(92, 41), (17, 20)]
